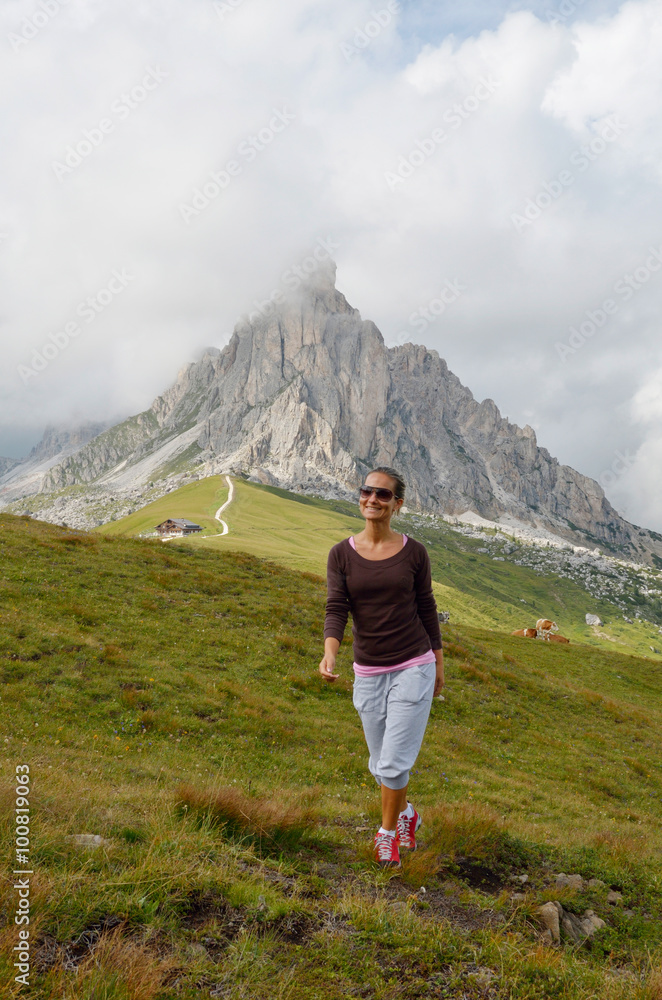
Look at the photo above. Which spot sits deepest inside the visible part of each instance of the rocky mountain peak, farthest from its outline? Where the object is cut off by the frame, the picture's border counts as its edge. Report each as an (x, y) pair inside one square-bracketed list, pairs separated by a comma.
[(306, 395)]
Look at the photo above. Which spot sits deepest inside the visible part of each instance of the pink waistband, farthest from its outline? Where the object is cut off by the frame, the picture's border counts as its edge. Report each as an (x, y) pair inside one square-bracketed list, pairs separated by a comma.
[(416, 661)]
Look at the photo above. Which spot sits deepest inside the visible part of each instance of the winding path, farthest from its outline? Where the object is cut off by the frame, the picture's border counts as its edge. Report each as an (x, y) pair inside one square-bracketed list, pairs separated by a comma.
[(227, 503), (217, 515)]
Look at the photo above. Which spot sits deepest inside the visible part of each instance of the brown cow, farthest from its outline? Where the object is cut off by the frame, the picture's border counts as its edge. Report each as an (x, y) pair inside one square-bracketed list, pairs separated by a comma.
[(546, 625), (525, 633), (557, 638)]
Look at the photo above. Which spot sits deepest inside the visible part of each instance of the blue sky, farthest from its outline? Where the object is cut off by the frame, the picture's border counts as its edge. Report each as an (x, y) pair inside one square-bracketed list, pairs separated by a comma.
[(429, 22)]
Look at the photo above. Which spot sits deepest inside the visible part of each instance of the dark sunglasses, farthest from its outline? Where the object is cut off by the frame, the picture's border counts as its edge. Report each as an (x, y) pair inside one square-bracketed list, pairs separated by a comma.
[(380, 492)]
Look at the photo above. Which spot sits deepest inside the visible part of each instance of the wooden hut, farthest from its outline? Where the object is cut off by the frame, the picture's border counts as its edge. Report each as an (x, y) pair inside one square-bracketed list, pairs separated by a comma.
[(177, 526)]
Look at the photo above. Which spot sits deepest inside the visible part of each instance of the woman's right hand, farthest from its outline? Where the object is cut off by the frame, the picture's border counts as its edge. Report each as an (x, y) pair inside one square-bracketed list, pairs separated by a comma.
[(328, 666)]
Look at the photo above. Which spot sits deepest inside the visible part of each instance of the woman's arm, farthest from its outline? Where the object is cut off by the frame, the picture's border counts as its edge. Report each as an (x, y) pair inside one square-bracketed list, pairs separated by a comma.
[(425, 602), (427, 612), (337, 612), (328, 662), (439, 679)]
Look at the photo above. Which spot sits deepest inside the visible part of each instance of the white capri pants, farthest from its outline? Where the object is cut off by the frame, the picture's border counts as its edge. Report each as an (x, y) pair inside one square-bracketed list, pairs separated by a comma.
[(394, 710)]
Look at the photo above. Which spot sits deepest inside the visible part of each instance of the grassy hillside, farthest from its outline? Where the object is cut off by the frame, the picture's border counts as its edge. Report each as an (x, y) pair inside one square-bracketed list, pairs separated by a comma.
[(298, 531), (196, 502), (165, 698)]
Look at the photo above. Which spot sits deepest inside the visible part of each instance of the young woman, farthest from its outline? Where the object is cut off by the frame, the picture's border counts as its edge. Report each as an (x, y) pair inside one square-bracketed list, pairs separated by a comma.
[(384, 579)]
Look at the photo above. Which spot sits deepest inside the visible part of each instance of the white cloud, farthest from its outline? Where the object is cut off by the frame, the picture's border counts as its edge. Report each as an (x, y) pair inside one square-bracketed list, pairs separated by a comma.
[(325, 175)]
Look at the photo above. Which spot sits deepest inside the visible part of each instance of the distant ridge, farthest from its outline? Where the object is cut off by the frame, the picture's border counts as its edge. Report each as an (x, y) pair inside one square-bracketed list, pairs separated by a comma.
[(309, 398)]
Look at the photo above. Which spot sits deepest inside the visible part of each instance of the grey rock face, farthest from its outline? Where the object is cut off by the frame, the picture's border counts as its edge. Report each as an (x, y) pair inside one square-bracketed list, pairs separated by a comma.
[(58, 439), (593, 620), (311, 398), (7, 463)]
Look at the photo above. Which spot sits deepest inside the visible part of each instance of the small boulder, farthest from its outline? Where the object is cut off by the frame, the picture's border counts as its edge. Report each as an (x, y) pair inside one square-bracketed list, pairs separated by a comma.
[(550, 915), (614, 898), (596, 883), (597, 922), (564, 881), (593, 620)]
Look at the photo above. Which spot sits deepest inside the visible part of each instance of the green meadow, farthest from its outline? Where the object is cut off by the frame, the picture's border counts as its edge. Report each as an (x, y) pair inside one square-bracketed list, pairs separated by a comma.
[(166, 700), (297, 532)]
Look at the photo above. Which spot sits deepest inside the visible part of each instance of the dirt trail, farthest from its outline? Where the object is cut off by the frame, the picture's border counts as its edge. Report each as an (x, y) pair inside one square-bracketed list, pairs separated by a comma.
[(227, 503)]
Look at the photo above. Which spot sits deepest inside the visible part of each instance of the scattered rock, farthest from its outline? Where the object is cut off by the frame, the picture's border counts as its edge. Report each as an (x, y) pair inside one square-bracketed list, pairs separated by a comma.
[(614, 898), (596, 883), (559, 922), (628, 620), (520, 878), (593, 620), (597, 922), (480, 975), (517, 897), (628, 913), (653, 649), (550, 915), (87, 840), (564, 881), (577, 929)]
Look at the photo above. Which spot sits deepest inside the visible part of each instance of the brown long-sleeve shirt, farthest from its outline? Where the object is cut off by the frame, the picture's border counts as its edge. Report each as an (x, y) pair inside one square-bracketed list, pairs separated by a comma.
[(391, 601)]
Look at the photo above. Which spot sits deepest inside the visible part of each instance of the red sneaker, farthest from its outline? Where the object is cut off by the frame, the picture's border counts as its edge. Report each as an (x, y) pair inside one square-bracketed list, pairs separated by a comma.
[(386, 851), (406, 831)]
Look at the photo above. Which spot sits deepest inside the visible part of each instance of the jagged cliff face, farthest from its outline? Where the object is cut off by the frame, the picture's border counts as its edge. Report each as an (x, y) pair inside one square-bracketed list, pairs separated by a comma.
[(57, 440), (310, 397)]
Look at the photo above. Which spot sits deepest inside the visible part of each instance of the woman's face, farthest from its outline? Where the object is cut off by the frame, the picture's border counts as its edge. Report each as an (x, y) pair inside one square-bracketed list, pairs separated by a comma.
[(379, 510)]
